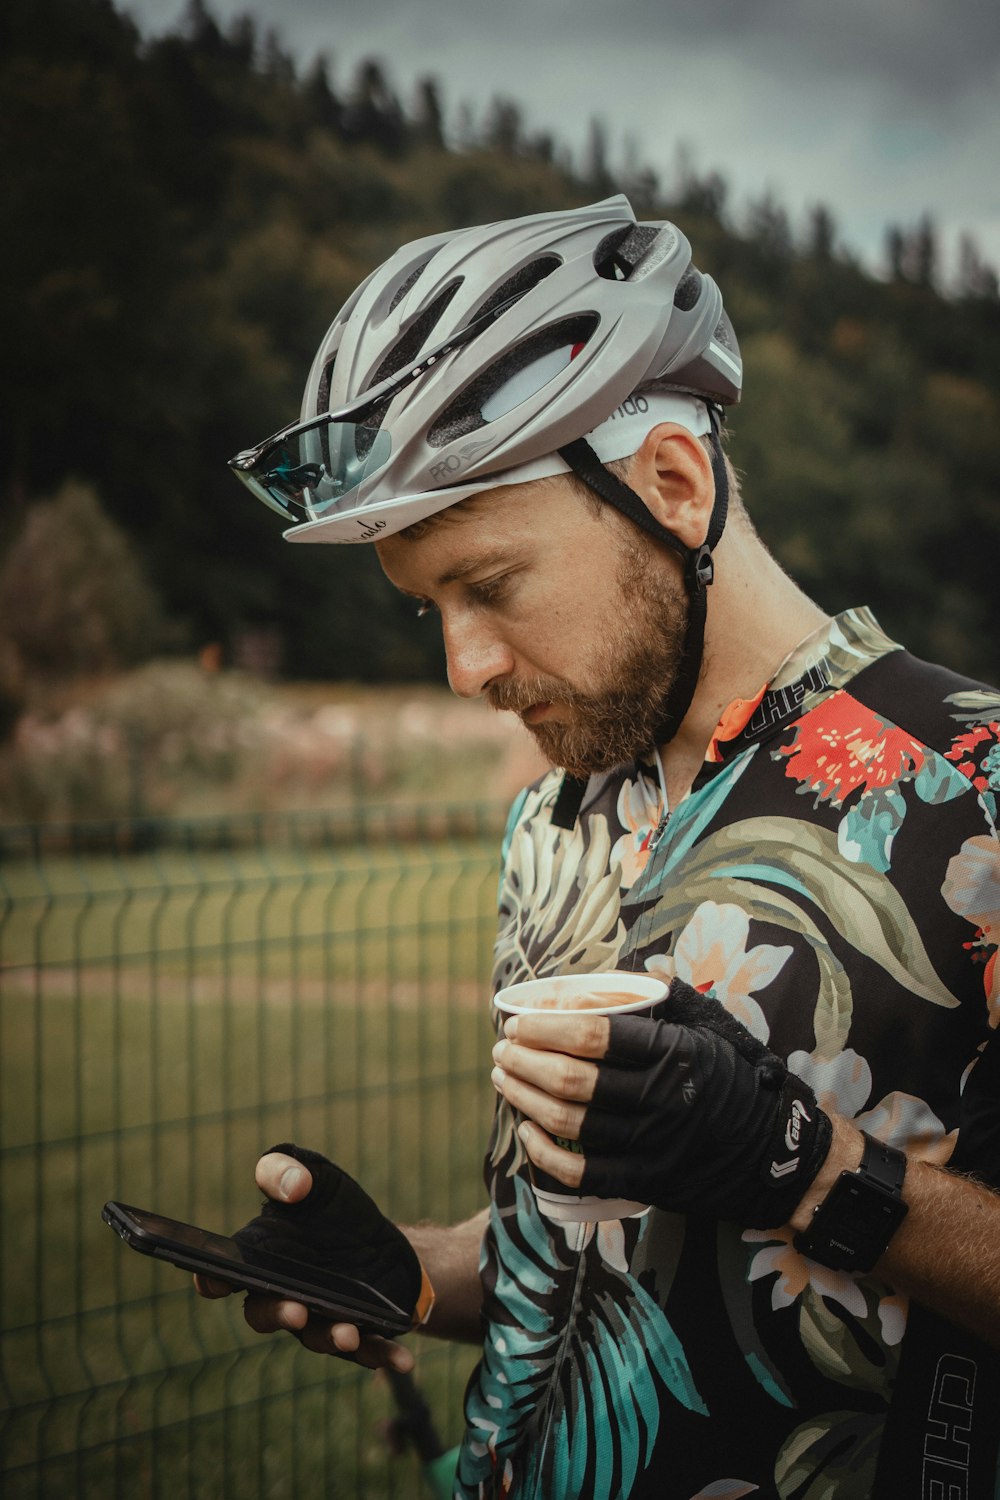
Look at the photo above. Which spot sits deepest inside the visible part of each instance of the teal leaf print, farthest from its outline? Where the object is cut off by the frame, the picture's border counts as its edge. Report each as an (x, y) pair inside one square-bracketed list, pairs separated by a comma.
[(937, 781), (561, 1408), (867, 830)]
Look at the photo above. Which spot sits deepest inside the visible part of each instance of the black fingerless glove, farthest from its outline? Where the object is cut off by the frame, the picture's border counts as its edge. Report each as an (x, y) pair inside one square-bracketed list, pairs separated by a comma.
[(692, 1114), (337, 1227)]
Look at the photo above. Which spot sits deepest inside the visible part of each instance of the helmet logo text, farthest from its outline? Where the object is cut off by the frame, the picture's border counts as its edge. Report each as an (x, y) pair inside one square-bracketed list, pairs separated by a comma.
[(634, 406), (445, 466), (369, 529)]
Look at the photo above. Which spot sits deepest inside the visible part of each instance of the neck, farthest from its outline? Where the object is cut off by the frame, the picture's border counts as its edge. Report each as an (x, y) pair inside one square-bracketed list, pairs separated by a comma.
[(756, 616)]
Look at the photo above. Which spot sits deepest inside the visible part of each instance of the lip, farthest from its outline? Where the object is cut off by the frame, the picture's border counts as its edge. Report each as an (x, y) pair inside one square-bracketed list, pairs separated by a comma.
[(536, 713)]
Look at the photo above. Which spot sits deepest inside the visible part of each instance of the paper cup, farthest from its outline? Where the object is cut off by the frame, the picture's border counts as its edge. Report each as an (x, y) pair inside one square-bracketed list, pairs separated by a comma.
[(614, 992)]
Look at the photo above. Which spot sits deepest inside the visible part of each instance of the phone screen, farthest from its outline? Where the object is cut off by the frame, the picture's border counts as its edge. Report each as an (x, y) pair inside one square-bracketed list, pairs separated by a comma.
[(189, 1235), (187, 1245)]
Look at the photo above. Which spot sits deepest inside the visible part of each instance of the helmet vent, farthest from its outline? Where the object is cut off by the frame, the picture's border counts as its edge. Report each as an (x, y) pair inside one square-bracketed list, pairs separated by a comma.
[(407, 348), (724, 334), (520, 283), (688, 290), (515, 377), (404, 286), (325, 379), (620, 252)]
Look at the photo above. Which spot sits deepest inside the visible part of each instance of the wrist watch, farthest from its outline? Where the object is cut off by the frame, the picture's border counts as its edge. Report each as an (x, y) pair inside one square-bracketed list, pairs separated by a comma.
[(862, 1211)]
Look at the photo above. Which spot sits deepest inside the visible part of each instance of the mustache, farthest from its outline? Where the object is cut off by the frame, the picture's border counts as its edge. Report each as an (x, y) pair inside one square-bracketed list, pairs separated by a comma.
[(514, 695)]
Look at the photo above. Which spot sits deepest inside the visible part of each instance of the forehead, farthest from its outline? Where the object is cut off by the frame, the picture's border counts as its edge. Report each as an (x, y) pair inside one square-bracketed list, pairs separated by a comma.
[(514, 522)]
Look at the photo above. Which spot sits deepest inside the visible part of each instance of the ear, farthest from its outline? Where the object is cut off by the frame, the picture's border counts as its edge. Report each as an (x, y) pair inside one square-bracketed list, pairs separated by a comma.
[(672, 473)]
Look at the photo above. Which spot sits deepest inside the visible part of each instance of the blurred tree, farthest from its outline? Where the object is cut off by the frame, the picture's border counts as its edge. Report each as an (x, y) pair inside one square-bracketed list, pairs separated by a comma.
[(321, 104), (372, 112), (913, 254), (768, 228), (895, 251), (923, 256), (73, 595), (821, 236), (701, 195), (975, 278), (277, 62), (541, 146), (638, 180), (241, 37), (466, 133), (503, 127), (596, 175), (200, 26), (428, 114)]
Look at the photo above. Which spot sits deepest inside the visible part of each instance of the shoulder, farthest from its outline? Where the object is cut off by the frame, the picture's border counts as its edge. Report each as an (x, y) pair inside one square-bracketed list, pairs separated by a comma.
[(954, 720), (930, 702)]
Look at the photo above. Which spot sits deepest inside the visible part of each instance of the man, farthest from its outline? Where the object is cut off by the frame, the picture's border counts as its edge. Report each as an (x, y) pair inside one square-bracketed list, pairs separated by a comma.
[(785, 815)]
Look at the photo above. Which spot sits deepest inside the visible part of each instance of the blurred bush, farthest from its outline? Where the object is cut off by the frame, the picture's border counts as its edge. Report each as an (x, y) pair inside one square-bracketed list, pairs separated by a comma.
[(171, 737), (74, 597)]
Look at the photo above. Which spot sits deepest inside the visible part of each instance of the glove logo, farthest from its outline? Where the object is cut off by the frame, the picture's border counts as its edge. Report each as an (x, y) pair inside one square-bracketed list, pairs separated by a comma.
[(793, 1139), (793, 1130)]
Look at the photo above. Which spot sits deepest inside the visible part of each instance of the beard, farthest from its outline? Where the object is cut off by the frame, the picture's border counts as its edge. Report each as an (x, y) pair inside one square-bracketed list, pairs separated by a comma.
[(632, 672)]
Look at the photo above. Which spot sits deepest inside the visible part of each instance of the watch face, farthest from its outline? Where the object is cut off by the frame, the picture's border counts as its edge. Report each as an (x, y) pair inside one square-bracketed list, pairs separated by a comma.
[(853, 1225)]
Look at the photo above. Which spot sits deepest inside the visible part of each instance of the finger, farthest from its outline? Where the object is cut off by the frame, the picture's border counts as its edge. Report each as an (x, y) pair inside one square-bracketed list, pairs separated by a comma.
[(638, 1041), (565, 1166), (606, 1133), (376, 1353), (583, 1036), (211, 1286), (343, 1340), (272, 1314), (282, 1177), (556, 1073), (556, 1115)]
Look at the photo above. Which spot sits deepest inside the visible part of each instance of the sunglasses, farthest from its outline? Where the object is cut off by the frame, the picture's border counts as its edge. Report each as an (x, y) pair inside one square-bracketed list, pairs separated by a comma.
[(307, 468)]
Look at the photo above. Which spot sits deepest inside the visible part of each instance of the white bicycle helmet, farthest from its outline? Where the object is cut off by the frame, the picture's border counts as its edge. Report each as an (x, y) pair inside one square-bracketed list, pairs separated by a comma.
[(469, 359), (504, 353)]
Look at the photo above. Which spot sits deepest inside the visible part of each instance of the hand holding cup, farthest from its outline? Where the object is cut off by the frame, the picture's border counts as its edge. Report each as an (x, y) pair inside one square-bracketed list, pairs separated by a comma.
[(553, 1027), (684, 1110)]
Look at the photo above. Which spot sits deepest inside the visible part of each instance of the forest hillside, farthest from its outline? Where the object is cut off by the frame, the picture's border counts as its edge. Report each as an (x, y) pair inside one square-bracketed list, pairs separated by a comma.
[(182, 217)]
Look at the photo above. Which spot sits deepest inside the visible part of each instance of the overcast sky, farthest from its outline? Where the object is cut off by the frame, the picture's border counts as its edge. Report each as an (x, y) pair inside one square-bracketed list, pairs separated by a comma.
[(882, 109)]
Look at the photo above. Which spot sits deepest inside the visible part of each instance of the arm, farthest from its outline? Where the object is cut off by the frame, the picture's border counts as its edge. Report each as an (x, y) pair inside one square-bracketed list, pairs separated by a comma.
[(450, 1257), (946, 1253)]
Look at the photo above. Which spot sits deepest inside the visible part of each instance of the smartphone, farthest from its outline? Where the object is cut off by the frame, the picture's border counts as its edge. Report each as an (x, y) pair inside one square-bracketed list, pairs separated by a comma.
[(328, 1294)]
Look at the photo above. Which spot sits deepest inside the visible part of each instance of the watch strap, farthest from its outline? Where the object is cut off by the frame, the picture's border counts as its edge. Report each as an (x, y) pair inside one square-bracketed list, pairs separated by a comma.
[(883, 1164)]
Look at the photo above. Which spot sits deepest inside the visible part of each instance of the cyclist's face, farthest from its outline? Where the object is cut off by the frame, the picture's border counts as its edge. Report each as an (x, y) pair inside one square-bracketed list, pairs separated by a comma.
[(564, 615)]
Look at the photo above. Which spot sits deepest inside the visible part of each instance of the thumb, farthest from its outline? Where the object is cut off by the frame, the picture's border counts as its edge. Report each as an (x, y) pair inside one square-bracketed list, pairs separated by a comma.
[(282, 1178)]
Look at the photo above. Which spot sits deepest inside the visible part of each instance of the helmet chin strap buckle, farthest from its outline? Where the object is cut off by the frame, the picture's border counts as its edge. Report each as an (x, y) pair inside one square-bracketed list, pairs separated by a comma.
[(700, 568)]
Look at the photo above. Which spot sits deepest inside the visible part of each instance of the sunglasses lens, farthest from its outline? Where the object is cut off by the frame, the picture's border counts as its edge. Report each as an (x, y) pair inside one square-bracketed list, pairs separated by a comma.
[(308, 474)]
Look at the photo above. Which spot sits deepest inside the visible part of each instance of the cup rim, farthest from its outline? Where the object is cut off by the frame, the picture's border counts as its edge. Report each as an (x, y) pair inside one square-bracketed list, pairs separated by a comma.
[(653, 990)]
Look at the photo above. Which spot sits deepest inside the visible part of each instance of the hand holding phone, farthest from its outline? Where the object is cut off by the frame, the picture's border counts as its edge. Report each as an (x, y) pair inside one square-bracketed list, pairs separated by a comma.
[(327, 1294), (316, 1217)]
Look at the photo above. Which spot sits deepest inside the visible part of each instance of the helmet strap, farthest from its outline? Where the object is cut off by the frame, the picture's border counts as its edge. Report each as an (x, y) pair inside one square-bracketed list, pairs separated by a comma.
[(698, 574)]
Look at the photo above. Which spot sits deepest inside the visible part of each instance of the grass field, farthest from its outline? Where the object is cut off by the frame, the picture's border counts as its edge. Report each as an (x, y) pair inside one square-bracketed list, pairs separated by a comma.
[(163, 1017)]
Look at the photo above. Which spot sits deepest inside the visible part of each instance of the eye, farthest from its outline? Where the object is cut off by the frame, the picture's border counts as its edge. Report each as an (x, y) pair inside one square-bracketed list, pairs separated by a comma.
[(490, 590)]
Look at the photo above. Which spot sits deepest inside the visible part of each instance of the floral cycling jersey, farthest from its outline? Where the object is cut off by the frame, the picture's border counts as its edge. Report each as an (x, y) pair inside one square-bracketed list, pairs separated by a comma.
[(833, 878)]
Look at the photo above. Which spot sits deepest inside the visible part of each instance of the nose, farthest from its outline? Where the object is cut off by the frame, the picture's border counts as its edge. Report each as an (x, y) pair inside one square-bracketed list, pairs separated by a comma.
[(476, 654)]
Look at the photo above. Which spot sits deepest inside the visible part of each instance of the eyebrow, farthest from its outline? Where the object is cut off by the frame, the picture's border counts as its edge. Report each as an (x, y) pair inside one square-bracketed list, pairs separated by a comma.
[(472, 563)]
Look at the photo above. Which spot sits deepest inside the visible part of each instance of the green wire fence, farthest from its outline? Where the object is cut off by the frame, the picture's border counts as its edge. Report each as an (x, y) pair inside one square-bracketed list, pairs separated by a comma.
[(176, 997)]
